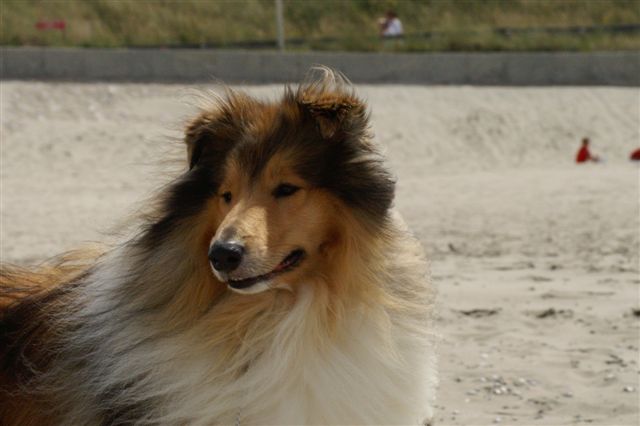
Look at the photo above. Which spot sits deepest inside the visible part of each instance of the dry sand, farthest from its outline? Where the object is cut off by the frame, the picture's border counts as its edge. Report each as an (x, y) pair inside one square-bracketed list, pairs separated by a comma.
[(536, 259)]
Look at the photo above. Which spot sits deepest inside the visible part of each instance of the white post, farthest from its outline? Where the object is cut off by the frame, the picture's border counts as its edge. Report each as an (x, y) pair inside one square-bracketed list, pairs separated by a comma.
[(280, 25)]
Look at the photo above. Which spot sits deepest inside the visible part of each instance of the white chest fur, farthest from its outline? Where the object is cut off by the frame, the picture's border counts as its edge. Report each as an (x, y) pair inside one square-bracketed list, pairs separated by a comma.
[(377, 372)]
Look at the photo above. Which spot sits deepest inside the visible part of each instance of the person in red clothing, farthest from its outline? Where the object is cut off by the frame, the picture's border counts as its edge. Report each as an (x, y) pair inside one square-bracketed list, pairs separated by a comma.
[(635, 155), (584, 154)]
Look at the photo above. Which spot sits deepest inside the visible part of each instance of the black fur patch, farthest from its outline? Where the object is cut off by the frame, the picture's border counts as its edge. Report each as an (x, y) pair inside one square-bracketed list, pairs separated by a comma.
[(185, 198)]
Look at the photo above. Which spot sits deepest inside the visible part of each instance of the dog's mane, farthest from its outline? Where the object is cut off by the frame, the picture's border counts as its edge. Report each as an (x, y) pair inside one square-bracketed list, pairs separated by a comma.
[(90, 337)]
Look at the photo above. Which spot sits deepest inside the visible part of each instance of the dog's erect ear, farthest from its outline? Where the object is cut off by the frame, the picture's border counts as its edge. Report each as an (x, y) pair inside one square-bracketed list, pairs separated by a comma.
[(337, 111)]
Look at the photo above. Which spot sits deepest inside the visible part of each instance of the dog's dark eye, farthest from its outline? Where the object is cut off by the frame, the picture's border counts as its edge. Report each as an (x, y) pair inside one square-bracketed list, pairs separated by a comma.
[(285, 190), (226, 197)]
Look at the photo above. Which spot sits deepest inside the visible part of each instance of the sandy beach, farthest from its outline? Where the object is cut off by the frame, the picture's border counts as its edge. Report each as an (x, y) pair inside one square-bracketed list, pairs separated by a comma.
[(537, 259)]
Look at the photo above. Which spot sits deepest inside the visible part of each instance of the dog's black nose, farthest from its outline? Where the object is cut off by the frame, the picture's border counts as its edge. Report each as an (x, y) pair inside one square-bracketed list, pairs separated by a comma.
[(225, 257)]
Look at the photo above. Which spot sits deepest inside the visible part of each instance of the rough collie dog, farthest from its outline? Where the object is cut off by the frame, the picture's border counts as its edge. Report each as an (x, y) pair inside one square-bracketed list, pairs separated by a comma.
[(273, 285)]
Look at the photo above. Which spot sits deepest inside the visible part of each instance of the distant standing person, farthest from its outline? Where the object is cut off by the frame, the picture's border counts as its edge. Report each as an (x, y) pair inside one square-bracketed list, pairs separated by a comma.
[(390, 25), (584, 154)]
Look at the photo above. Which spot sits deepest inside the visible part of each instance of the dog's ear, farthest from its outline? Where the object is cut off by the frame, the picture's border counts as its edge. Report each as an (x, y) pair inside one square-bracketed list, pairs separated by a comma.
[(337, 114), (198, 135), (211, 135), (337, 111), (217, 128)]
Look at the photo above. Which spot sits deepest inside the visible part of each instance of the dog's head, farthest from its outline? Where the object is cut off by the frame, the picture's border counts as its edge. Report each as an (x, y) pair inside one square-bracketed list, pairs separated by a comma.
[(283, 181)]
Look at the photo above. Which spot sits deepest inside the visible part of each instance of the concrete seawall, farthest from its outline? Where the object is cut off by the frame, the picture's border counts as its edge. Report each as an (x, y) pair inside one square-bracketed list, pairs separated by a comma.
[(203, 65)]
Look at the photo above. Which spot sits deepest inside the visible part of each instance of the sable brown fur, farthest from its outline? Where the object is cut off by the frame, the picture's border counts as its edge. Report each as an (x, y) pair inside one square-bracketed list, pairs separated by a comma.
[(145, 332), (29, 299)]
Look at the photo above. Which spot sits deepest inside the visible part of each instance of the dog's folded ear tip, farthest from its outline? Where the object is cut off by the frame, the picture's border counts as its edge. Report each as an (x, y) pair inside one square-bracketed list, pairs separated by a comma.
[(331, 115)]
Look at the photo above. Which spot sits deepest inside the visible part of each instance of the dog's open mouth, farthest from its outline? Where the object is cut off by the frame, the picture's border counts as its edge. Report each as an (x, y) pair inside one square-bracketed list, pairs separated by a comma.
[(291, 261)]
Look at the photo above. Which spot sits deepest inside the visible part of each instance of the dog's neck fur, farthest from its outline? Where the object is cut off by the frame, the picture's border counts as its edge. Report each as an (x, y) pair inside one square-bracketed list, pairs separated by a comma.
[(135, 353)]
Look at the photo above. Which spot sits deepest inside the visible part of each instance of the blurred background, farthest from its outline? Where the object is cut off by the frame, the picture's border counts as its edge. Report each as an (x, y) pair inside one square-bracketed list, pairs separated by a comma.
[(429, 25)]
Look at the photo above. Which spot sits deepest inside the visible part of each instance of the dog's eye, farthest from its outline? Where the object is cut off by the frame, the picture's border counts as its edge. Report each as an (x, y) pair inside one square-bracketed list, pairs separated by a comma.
[(285, 190), (226, 197)]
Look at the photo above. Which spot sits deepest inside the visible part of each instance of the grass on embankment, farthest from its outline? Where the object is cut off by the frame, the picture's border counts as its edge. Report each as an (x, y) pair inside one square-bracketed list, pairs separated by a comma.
[(322, 24)]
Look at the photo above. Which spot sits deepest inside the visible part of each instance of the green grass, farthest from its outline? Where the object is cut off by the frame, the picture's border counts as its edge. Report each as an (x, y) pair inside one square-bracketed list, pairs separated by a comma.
[(320, 24)]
